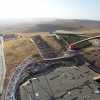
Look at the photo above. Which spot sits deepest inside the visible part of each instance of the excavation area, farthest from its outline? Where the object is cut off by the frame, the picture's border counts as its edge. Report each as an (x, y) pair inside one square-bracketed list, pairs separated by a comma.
[(61, 81), (60, 74)]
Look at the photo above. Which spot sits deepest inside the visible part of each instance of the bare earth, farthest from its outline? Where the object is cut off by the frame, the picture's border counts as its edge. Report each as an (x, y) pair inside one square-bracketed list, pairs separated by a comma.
[(15, 52)]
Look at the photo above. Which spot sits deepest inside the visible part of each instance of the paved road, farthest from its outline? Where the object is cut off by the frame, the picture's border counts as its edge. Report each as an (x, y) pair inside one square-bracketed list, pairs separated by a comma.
[(2, 65)]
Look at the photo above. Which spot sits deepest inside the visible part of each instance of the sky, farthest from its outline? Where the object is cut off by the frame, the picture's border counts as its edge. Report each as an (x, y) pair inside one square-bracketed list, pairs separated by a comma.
[(67, 9)]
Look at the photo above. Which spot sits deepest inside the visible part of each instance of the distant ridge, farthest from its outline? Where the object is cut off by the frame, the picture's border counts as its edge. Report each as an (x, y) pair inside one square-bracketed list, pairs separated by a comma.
[(47, 24)]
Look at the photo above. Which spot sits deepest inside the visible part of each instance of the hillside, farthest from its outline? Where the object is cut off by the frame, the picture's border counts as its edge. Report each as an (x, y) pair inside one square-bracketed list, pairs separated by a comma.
[(49, 25), (15, 52)]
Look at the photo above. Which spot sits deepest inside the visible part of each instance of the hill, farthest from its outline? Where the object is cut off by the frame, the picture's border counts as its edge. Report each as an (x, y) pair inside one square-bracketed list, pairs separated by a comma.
[(49, 25)]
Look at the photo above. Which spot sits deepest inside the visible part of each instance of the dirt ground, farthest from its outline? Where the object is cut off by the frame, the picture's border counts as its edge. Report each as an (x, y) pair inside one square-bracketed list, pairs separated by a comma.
[(15, 52)]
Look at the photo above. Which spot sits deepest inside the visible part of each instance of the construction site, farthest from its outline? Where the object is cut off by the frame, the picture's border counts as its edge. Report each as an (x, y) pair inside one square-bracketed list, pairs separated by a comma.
[(65, 67)]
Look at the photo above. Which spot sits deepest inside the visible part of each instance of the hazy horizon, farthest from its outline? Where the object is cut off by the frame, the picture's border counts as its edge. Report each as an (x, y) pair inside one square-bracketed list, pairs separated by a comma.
[(39, 19)]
